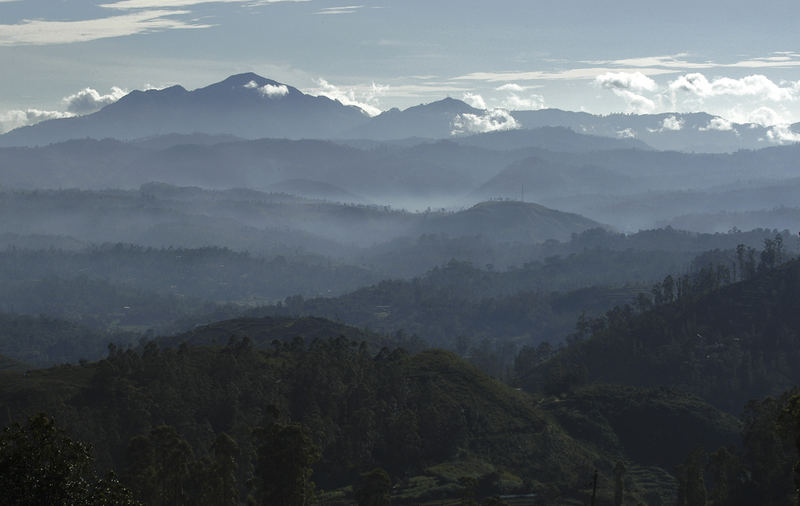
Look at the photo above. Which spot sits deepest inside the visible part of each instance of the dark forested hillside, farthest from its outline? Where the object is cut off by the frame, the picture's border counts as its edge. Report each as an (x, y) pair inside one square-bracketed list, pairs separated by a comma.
[(41, 341), (211, 273), (430, 419), (727, 344)]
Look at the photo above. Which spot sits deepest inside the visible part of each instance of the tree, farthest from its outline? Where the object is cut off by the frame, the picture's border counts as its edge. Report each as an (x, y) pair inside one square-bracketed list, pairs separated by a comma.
[(214, 477), (772, 255), (374, 489), (469, 490), (691, 486), (726, 471), (284, 456), (619, 483), (40, 464), (159, 466), (789, 425), (226, 452)]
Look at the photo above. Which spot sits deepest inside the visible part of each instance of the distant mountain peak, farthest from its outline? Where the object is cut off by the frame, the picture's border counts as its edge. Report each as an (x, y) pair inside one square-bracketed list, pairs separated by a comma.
[(137, 97), (244, 85), (245, 78), (244, 105), (446, 105)]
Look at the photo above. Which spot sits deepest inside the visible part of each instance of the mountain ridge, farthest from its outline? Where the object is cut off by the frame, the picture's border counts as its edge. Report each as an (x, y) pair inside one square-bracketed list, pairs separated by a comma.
[(250, 106)]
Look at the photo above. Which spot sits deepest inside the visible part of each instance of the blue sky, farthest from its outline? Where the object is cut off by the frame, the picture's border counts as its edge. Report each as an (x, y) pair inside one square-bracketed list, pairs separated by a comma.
[(737, 59)]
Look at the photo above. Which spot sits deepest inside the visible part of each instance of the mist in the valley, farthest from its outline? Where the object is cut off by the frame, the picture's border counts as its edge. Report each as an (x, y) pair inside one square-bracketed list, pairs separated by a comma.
[(181, 220)]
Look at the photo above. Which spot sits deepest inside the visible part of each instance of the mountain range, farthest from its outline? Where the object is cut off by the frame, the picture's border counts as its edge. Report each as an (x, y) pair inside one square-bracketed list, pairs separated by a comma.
[(250, 106)]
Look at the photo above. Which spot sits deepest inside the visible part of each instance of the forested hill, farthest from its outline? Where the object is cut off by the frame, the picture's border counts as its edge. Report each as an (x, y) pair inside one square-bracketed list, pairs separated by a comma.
[(728, 344), (202, 410), (263, 331), (429, 419)]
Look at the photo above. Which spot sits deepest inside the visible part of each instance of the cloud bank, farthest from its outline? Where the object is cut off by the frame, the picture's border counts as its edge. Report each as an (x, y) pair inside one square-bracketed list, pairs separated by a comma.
[(718, 124), (333, 11), (630, 87), (757, 85), (491, 121), (140, 16), (269, 90), (516, 102), (672, 123), (366, 100), (149, 4), (19, 118), (85, 101), (41, 32), (474, 100), (783, 134), (89, 100)]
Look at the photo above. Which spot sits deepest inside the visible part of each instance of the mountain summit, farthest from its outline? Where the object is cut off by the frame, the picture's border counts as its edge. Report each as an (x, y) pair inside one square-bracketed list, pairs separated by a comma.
[(433, 120), (245, 105)]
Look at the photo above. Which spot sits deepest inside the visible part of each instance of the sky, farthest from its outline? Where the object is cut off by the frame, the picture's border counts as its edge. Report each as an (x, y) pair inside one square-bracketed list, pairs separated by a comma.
[(736, 59)]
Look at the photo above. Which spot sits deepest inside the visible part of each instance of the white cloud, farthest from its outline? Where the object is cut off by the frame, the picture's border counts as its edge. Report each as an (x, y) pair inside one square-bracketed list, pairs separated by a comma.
[(40, 32), (162, 4), (491, 121), (273, 91), (88, 100), (719, 124), (629, 86), (679, 61), (270, 90), (19, 118), (141, 16), (625, 81), (628, 133), (515, 102), (667, 61), (672, 123), (765, 116), (758, 116), (782, 134), (757, 85), (347, 9), (474, 100), (511, 87), (569, 74), (638, 104), (365, 99)]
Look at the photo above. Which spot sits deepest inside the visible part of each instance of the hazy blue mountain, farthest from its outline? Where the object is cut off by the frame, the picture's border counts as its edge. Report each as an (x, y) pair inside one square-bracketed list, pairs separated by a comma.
[(537, 178), (433, 121), (243, 105), (511, 221), (560, 139), (314, 190), (389, 172), (161, 215), (249, 106), (698, 132), (169, 140), (747, 205)]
